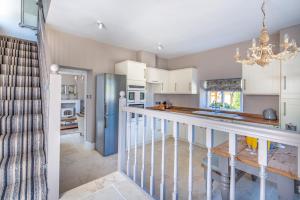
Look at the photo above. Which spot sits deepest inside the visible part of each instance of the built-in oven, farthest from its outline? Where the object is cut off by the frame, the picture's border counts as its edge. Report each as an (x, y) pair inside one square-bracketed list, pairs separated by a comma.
[(136, 94), (133, 115)]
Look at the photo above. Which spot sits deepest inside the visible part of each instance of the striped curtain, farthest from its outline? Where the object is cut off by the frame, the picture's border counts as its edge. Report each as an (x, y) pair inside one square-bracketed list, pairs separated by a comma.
[(233, 84)]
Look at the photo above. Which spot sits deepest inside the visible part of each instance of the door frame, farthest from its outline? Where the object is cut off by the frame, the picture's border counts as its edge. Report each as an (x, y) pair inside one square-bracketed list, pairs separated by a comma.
[(79, 72)]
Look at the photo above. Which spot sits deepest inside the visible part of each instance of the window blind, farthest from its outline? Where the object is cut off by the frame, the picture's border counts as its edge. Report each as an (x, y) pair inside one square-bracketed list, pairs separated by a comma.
[(233, 84)]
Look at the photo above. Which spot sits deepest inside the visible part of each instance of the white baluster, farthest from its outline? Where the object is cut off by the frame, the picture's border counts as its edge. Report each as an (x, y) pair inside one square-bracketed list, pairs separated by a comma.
[(143, 152), (298, 161), (135, 147), (232, 151), (209, 141), (263, 162), (175, 135), (191, 141), (152, 156), (122, 133), (163, 135), (128, 143)]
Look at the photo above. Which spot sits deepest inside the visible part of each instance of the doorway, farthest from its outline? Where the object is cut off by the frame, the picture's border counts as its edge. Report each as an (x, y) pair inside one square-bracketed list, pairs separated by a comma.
[(73, 102)]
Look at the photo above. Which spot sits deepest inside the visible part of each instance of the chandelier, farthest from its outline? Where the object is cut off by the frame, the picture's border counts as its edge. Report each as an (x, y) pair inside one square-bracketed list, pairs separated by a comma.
[(262, 54)]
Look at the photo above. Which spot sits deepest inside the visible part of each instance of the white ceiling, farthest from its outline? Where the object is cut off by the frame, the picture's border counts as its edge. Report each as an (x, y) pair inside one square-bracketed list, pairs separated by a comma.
[(182, 26)]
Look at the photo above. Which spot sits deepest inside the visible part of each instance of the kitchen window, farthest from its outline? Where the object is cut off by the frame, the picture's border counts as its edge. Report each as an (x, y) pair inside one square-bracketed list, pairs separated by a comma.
[(224, 94)]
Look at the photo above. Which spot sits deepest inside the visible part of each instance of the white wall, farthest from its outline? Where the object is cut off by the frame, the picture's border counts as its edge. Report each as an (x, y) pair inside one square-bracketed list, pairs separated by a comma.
[(10, 17)]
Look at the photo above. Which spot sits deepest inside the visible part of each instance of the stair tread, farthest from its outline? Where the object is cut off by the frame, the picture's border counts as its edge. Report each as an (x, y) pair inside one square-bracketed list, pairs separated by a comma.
[(13, 143), (19, 167), (34, 188), (20, 107), (19, 81)]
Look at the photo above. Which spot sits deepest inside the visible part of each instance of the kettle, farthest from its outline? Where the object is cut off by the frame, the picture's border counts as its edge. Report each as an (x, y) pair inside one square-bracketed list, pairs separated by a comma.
[(270, 114)]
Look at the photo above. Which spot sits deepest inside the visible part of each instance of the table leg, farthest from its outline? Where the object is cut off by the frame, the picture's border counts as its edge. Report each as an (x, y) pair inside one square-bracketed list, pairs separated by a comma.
[(225, 186)]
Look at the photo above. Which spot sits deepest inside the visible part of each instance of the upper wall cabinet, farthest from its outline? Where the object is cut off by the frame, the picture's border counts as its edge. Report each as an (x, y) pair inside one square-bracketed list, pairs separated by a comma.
[(259, 80), (290, 79), (134, 70), (179, 81), (183, 81), (158, 76)]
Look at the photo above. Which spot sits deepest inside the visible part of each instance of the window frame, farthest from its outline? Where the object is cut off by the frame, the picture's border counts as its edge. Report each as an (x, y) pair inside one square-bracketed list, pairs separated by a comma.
[(222, 96)]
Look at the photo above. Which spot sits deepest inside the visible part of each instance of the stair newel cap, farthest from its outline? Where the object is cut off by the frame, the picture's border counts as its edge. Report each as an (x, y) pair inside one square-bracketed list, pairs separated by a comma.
[(54, 68), (122, 94)]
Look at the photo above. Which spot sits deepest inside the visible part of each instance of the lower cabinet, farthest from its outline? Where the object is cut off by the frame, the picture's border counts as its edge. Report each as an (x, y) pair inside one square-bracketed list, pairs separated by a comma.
[(290, 113)]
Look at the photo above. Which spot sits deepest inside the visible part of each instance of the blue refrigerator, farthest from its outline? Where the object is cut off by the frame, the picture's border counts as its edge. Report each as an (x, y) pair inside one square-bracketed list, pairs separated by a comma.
[(108, 88)]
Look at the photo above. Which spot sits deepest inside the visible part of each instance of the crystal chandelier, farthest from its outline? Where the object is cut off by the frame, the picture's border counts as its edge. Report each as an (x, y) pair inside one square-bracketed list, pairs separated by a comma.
[(262, 54)]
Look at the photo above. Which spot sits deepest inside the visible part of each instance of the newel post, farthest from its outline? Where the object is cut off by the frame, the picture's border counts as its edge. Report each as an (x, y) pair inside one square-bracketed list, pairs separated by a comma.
[(122, 133), (53, 132)]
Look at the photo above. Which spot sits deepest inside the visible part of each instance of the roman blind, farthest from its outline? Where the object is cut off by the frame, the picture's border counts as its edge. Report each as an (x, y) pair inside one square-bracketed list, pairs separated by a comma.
[(233, 84)]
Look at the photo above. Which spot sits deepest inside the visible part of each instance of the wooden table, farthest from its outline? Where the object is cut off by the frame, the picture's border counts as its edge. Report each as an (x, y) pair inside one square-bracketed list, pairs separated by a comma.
[(282, 167)]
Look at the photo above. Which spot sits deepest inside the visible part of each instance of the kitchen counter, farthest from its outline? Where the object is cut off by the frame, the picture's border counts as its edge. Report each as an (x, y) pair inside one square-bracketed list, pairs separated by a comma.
[(224, 115)]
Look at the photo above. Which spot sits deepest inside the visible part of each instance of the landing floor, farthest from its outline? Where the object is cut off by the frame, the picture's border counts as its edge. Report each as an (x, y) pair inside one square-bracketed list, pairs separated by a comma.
[(114, 186)]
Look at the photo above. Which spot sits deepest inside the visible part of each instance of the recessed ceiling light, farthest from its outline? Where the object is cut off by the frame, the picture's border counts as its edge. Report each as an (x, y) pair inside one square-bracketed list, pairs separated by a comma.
[(100, 25), (160, 47)]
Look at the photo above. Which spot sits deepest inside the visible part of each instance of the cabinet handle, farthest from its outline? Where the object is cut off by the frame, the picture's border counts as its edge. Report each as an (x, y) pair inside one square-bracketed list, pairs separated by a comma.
[(162, 87), (175, 86), (244, 84), (284, 82), (190, 86), (144, 73), (284, 108)]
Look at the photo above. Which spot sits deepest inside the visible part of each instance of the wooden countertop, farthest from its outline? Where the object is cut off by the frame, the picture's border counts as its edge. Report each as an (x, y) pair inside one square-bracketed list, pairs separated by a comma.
[(243, 117), (280, 161)]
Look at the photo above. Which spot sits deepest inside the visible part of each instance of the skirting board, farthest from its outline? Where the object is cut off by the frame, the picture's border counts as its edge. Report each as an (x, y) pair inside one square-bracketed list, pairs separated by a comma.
[(89, 145)]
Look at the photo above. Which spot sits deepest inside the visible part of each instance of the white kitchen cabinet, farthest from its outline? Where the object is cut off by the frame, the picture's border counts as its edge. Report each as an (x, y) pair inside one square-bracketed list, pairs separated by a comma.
[(183, 81), (258, 80), (159, 77), (290, 112), (134, 70), (290, 78)]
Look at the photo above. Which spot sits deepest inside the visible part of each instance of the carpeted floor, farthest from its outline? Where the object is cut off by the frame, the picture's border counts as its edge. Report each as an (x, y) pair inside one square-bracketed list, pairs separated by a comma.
[(79, 165)]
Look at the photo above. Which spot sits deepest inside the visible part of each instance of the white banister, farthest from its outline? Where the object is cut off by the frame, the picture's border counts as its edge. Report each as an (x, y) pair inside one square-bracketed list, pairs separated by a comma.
[(263, 162), (152, 186), (163, 135), (235, 130), (232, 152), (53, 136), (135, 148), (270, 134), (121, 133), (143, 151), (191, 131), (175, 135), (209, 141), (298, 163), (128, 137)]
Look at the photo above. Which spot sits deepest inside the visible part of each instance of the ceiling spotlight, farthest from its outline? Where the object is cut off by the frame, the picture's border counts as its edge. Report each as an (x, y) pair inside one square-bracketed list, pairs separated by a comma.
[(100, 25), (160, 47)]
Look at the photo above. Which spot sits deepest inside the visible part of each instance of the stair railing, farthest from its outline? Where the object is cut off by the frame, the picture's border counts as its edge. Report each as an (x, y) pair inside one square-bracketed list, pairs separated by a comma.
[(130, 132)]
